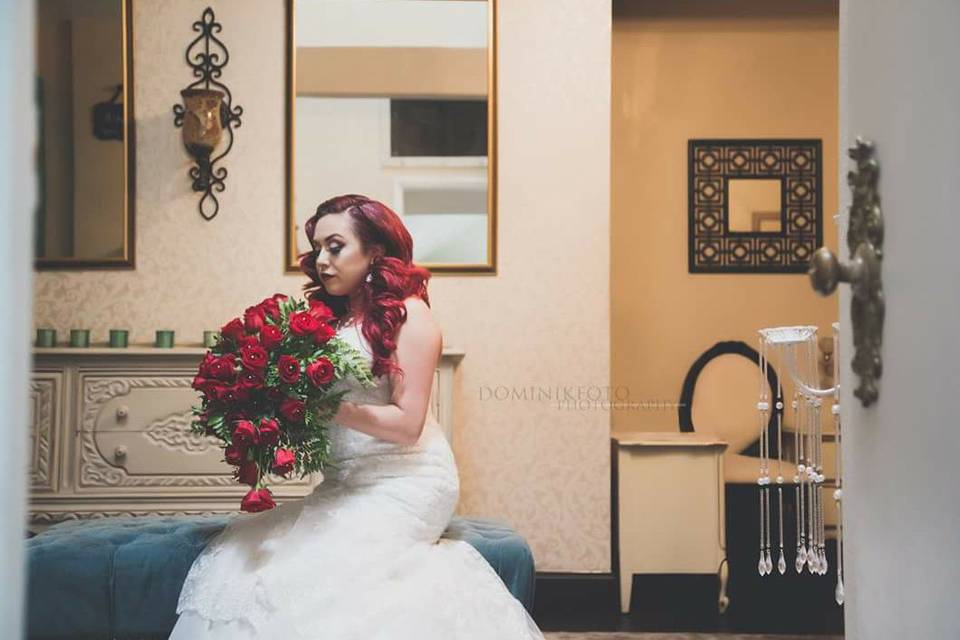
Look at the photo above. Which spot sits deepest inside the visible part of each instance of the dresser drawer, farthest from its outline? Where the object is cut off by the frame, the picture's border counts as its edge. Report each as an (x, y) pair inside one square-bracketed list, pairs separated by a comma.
[(134, 432)]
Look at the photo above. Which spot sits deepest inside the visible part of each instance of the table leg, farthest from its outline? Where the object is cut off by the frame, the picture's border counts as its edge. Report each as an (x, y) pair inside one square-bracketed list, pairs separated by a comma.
[(626, 586), (723, 601)]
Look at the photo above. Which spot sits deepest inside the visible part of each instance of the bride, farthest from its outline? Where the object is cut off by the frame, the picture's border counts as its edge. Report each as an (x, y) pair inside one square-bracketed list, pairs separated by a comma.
[(361, 557)]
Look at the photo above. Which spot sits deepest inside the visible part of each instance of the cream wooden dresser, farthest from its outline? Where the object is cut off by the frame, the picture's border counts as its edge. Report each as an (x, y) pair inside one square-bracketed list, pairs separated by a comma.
[(669, 507), (110, 435)]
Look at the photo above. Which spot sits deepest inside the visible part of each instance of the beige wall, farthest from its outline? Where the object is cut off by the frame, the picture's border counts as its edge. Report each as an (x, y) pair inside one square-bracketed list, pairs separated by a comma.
[(391, 71), (681, 70), (542, 321)]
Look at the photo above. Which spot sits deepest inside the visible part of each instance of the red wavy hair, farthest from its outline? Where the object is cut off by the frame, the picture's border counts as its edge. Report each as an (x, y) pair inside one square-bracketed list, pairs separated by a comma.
[(394, 275)]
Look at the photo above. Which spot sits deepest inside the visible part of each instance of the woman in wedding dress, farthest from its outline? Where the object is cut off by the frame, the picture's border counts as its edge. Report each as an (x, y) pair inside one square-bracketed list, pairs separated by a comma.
[(361, 557)]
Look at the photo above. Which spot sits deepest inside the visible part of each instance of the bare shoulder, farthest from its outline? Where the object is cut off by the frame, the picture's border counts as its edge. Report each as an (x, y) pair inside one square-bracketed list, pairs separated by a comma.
[(417, 308), (420, 319)]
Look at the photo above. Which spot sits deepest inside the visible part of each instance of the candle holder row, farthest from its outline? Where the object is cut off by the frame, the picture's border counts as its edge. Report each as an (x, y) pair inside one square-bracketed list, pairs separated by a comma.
[(119, 338)]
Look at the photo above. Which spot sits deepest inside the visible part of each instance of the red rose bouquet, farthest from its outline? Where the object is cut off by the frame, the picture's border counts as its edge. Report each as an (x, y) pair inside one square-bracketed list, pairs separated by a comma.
[(268, 391)]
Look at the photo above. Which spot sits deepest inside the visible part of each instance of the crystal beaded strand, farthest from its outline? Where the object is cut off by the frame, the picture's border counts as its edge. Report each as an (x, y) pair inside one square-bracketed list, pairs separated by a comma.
[(809, 463), (767, 561), (838, 493), (796, 477), (821, 531), (802, 475), (781, 561), (813, 464), (766, 489), (762, 407)]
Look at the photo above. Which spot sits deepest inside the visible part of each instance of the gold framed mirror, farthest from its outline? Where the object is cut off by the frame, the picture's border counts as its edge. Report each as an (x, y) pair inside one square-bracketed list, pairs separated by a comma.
[(396, 101), (85, 135)]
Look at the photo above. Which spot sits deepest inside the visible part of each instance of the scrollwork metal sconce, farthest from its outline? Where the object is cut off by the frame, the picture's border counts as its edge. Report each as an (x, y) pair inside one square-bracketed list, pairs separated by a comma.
[(865, 241), (207, 112)]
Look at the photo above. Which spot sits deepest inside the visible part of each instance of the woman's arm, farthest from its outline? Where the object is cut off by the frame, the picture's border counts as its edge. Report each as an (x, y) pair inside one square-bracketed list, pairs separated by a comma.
[(419, 344)]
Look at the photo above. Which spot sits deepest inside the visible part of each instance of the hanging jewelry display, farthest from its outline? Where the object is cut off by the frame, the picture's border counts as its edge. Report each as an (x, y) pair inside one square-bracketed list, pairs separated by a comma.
[(207, 112), (794, 349)]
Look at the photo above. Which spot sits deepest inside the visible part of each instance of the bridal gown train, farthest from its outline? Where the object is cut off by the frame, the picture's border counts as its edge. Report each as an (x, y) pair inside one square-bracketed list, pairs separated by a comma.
[(359, 558)]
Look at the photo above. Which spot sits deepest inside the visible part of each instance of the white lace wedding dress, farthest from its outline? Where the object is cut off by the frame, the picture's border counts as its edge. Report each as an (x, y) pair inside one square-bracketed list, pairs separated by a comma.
[(359, 558)]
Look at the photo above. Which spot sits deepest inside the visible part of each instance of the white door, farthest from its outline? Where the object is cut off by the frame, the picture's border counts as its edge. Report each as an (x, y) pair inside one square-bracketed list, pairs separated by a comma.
[(17, 200), (900, 87)]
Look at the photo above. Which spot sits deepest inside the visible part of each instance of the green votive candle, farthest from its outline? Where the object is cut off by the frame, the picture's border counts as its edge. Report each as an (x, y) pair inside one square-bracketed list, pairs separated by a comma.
[(79, 337), (164, 338), (210, 338), (119, 338), (46, 337)]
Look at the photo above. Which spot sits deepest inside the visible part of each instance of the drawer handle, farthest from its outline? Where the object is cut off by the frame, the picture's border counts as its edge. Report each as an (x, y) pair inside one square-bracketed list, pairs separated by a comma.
[(122, 412), (120, 452)]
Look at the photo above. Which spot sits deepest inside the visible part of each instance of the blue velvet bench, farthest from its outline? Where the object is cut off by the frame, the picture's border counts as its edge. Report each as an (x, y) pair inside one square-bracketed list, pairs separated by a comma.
[(120, 578)]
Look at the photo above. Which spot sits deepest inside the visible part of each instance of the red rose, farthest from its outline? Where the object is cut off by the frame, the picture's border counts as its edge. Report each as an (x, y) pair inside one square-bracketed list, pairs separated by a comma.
[(257, 500), (234, 455), (245, 433), (289, 368), (253, 357), (215, 390), (269, 431), (248, 341), (270, 336), (323, 333), (203, 369), (292, 410), (248, 473), (200, 383), (275, 394), (271, 308), (223, 368), (303, 324), (283, 461), (320, 371), (320, 311), (235, 394), (253, 319), (233, 330), (250, 379)]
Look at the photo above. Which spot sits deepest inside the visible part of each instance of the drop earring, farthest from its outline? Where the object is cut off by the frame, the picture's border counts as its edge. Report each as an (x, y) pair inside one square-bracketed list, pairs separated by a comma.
[(373, 263)]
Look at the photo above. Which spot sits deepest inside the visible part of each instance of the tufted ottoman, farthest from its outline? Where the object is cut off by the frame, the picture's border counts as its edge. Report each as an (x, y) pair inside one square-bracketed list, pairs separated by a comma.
[(121, 577)]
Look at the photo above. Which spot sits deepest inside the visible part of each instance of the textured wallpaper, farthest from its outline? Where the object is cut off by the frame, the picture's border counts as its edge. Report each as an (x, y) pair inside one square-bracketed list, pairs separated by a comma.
[(536, 332)]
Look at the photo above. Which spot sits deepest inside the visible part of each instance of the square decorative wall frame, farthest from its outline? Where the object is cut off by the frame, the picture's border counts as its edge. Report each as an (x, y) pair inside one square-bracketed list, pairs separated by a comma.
[(713, 246)]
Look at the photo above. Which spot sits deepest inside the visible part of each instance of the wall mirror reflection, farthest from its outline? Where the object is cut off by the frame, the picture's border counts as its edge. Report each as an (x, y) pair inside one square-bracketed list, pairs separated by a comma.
[(754, 204), (396, 101), (84, 89)]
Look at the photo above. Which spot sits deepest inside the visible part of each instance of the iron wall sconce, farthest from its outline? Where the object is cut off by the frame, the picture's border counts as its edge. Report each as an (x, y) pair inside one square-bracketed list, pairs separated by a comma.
[(207, 113), (108, 117)]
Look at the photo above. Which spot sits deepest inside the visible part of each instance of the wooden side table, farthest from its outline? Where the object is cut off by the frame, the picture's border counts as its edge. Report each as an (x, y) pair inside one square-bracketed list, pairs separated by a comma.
[(670, 507)]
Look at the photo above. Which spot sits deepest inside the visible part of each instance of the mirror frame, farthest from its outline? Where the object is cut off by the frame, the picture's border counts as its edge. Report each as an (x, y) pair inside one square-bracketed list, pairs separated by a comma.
[(291, 265), (712, 246), (128, 259)]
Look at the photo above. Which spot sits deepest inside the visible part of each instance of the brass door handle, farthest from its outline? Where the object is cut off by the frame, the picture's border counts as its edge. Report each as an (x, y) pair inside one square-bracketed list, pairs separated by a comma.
[(865, 241), (862, 272)]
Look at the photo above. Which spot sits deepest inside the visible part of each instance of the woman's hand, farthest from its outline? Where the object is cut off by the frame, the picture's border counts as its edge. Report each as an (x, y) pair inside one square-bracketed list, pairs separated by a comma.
[(346, 412)]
